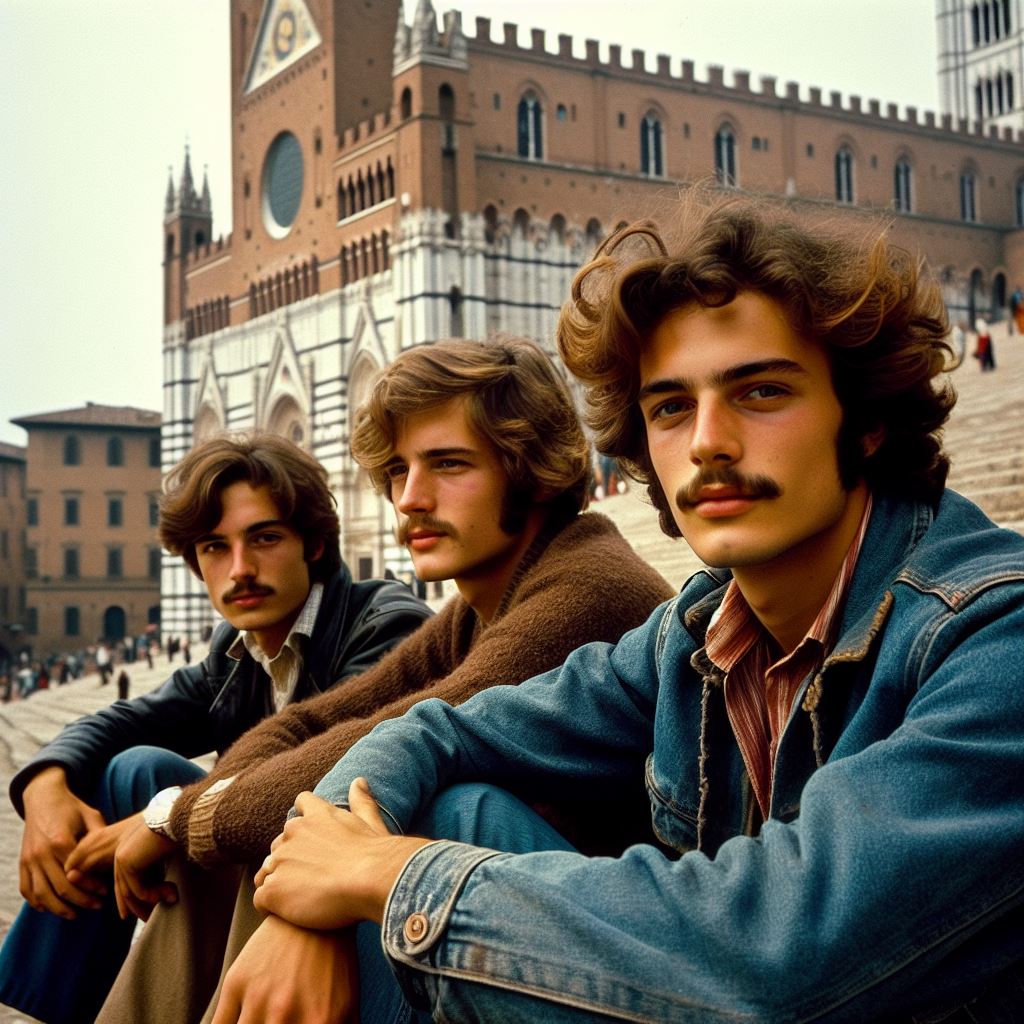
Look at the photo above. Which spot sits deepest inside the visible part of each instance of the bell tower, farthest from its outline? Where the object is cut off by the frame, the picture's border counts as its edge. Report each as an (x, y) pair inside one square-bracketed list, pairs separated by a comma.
[(188, 225)]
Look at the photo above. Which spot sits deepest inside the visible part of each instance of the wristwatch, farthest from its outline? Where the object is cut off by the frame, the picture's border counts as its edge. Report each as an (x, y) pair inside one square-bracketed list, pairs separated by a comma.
[(157, 813)]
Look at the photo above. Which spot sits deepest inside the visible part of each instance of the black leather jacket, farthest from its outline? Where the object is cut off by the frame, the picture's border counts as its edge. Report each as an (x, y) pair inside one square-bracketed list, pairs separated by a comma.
[(207, 706)]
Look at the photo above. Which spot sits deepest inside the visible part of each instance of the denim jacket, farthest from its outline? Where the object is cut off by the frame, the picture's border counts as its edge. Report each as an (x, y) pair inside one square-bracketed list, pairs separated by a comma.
[(887, 882)]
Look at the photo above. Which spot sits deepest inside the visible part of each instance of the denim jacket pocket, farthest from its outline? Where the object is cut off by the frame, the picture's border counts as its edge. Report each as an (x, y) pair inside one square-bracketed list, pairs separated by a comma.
[(673, 825)]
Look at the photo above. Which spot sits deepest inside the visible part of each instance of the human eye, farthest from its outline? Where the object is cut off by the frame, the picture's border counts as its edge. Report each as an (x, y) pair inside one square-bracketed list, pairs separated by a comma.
[(265, 538), (395, 470), (450, 462), (210, 547), (766, 391), (667, 409)]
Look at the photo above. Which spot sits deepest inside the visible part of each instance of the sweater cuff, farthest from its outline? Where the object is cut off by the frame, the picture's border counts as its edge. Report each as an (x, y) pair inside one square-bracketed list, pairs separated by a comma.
[(202, 846)]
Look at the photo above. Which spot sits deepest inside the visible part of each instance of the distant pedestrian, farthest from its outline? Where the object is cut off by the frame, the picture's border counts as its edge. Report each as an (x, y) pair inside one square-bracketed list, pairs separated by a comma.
[(103, 665), (1017, 310), (984, 351), (186, 651), (123, 682)]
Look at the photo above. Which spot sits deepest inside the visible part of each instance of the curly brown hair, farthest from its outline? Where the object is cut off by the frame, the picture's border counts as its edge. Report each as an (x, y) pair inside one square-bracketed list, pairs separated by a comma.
[(515, 399), (191, 504), (881, 321)]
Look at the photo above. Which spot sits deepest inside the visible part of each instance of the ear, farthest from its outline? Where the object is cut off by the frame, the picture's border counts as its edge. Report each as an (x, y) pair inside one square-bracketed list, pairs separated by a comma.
[(317, 553), (870, 443)]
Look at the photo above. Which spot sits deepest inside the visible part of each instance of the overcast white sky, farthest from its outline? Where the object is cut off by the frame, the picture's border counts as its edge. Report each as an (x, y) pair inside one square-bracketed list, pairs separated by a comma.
[(98, 97)]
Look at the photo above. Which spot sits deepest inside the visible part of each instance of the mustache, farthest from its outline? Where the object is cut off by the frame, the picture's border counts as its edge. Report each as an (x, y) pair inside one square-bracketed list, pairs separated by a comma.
[(756, 486), (424, 522), (246, 590)]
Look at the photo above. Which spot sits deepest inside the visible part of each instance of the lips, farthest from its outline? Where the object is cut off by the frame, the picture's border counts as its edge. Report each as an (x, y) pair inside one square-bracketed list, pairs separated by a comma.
[(247, 598), (721, 502), (421, 540)]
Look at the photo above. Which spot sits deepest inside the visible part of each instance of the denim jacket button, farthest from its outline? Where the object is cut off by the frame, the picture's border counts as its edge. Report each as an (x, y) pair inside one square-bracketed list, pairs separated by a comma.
[(416, 926)]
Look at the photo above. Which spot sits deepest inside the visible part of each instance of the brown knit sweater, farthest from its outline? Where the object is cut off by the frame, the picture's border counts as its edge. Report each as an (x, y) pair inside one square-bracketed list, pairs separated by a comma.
[(584, 584)]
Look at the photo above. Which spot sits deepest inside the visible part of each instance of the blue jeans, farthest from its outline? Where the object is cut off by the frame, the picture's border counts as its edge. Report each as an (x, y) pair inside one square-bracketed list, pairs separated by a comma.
[(469, 813), (60, 971)]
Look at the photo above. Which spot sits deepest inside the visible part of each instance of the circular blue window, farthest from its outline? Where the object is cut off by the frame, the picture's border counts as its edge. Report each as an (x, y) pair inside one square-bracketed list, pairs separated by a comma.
[(282, 184)]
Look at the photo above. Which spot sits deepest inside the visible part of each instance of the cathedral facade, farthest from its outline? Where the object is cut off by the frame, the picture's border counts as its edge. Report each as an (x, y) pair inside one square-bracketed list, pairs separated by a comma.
[(398, 181)]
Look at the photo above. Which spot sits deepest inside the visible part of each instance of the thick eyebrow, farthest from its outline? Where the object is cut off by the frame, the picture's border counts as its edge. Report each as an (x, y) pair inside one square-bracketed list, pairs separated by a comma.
[(720, 378), (263, 524), (435, 453)]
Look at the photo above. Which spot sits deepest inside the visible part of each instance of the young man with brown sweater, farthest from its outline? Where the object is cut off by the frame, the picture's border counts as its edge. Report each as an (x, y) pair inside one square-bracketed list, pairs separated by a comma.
[(479, 448)]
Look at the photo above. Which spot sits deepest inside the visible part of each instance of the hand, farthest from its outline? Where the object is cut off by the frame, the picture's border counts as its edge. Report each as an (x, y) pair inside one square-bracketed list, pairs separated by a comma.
[(286, 974), (55, 821), (330, 867), (94, 852), (138, 871)]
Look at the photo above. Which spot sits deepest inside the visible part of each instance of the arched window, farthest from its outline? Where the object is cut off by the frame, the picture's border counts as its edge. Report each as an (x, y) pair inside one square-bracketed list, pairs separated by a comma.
[(405, 104), (1019, 201), (725, 156), (455, 306), (975, 25), (844, 175), (446, 102), (529, 127), (594, 232), (902, 192), (557, 227), (1008, 89), (490, 223), (969, 197), (446, 107), (979, 101), (651, 147), (521, 223)]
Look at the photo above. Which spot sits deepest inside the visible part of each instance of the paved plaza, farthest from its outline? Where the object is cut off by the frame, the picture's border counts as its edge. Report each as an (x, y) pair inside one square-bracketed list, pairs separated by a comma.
[(985, 438)]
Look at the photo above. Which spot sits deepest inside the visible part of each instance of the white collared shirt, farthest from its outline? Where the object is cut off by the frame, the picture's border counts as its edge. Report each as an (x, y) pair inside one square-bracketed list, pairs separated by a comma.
[(285, 667)]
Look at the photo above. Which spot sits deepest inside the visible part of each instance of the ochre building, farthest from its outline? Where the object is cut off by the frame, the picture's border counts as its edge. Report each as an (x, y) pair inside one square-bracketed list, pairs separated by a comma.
[(91, 567)]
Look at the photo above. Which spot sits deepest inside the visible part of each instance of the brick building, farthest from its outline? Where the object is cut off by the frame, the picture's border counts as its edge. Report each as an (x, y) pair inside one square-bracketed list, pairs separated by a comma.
[(12, 552), (91, 557), (398, 182)]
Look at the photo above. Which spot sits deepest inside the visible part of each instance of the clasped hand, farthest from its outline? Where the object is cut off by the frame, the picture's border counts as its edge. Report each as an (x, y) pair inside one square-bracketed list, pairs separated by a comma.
[(332, 867)]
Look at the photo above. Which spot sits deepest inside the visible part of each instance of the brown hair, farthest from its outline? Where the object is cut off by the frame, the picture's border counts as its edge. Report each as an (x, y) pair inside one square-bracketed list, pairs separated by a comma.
[(515, 399), (191, 504), (881, 322)]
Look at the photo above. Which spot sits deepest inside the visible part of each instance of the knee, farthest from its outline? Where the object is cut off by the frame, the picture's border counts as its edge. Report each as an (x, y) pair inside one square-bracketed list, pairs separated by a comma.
[(135, 775), (488, 816)]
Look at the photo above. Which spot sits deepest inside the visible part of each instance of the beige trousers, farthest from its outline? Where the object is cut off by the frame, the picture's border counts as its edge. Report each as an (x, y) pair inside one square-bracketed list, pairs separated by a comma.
[(175, 967)]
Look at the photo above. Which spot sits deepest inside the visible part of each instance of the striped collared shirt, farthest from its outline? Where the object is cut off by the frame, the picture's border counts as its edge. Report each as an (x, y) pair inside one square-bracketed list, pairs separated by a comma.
[(760, 693), (284, 668)]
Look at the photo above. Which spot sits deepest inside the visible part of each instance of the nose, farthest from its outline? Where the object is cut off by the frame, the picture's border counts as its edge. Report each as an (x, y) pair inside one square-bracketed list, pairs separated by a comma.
[(714, 438), (417, 493), (243, 561)]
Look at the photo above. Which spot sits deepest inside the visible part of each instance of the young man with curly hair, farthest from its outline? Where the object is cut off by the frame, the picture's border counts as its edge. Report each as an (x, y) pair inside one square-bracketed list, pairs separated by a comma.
[(480, 450), (253, 517), (829, 720)]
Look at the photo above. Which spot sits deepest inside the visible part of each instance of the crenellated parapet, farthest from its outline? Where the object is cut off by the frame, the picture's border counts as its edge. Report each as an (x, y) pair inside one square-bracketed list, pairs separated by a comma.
[(365, 131), (667, 72)]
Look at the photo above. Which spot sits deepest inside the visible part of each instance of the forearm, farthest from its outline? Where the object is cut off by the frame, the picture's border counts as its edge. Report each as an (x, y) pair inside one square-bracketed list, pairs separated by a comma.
[(514, 736)]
